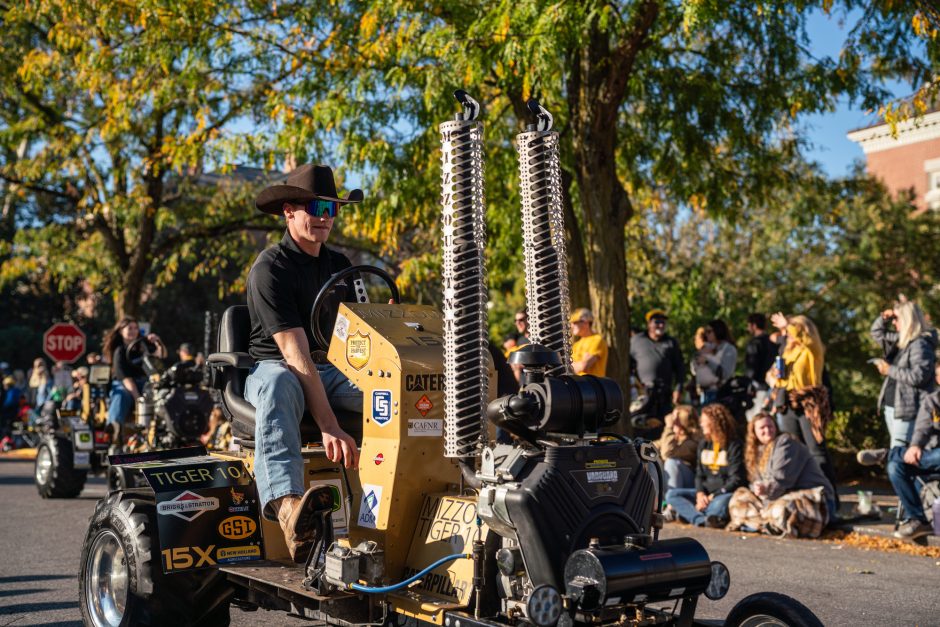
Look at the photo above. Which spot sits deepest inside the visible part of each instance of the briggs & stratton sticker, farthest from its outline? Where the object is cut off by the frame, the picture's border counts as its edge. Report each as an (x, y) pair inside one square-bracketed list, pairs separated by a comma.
[(425, 428), (424, 405), (370, 505), (358, 350), (188, 505), (382, 407)]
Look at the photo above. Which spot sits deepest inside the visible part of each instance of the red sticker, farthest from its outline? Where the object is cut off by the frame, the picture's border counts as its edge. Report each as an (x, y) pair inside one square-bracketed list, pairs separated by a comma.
[(378, 459), (424, 405)]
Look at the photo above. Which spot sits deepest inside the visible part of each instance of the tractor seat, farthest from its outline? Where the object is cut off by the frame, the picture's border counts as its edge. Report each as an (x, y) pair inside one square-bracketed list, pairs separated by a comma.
[(230, 367)]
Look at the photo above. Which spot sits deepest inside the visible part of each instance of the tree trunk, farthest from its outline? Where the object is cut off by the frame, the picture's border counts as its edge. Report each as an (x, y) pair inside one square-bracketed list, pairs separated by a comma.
[(578, 280)]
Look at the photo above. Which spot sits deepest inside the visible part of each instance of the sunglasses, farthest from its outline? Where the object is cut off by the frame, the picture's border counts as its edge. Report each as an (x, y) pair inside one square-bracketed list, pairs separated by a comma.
[(521, 320), (319, 208)]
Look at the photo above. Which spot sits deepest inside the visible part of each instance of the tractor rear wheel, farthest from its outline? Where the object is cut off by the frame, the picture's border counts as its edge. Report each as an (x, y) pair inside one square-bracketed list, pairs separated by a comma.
[(771, 609), (121, 581), (55, 472)]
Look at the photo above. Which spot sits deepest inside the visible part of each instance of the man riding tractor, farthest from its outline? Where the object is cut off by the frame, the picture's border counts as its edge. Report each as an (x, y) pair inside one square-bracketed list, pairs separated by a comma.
[(282, 286)]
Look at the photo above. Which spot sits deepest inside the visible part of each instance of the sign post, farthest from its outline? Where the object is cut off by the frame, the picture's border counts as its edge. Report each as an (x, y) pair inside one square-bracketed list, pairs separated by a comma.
[(63, 341)]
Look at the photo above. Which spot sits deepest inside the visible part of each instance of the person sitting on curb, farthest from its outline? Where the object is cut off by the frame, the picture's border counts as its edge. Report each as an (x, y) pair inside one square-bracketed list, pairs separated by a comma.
[(785, 478), (678, 447), (719, 472), (922, 457)]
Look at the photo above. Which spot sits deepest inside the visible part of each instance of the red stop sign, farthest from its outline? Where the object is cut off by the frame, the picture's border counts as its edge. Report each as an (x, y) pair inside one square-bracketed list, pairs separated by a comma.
[(63, 341)]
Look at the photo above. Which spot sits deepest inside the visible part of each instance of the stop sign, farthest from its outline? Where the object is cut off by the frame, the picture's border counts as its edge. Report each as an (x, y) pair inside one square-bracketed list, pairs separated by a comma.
[(63, 341)]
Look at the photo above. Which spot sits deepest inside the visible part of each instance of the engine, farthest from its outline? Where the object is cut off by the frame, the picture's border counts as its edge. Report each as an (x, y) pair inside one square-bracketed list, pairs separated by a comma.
[(180, 405)]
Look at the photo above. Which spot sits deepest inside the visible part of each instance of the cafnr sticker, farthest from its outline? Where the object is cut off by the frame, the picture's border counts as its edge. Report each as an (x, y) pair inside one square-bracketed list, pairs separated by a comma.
[(382, 407), (341, 328), (188, 506), (425, 427), (424, 405), (370, 505), (358, 350)]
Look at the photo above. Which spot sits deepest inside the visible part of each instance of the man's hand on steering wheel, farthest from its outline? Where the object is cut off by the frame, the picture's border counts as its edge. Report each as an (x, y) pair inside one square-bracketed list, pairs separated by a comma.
[(339, 445)]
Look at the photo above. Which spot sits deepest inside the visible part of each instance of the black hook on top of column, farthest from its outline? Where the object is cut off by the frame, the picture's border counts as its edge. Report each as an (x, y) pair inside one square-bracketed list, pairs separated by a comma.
[(471, 108), (543, 119)]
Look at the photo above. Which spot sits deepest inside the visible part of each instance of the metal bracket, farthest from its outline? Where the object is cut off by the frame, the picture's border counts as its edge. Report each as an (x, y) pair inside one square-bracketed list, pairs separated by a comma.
[(543, 119), (471, 108)]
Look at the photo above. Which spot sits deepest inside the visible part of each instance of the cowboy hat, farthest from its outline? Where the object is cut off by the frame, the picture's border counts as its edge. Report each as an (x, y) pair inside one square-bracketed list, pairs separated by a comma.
[(304, 183)]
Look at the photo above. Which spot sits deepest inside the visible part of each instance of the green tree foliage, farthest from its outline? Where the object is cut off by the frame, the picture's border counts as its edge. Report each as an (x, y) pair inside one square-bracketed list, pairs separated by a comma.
[(108, 111), (695, 103)]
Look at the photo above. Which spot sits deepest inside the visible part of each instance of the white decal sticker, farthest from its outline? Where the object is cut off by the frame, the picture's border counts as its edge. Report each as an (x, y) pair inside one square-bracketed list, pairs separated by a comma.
[(81, 459), (341, 328), (425, 428), (370, 505), (188, 506), (602, 476)]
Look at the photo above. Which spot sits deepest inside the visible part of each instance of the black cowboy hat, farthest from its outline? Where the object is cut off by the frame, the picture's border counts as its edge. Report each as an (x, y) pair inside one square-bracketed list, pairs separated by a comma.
[(304, 183)]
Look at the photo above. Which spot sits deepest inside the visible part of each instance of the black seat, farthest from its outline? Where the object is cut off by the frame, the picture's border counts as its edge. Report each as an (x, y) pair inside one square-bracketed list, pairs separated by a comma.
[(230, 367)]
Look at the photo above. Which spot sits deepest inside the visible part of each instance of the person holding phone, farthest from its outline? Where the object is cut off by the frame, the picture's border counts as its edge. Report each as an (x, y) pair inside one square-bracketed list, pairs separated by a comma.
[(909, 344)]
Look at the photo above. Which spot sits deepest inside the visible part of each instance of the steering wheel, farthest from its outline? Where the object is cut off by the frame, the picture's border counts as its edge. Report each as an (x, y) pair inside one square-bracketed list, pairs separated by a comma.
[(151, 364), (319, 337)]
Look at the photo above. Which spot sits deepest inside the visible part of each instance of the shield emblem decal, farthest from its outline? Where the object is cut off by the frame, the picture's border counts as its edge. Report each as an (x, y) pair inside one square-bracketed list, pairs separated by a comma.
[(358, 350)]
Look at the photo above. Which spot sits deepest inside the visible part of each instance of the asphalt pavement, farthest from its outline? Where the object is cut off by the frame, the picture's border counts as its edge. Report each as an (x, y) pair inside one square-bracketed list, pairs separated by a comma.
[(41, 541)]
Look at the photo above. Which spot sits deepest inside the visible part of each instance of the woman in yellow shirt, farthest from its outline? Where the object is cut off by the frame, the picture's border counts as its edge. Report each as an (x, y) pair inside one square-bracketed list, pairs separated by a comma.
[(804, 358)]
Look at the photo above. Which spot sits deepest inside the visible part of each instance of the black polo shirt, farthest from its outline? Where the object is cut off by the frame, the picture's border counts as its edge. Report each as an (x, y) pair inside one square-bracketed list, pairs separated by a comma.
[(282, 285)]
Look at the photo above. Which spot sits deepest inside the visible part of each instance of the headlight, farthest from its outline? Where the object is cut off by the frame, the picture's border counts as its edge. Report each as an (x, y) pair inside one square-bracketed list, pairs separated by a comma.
[(720, 582), (544, 606)]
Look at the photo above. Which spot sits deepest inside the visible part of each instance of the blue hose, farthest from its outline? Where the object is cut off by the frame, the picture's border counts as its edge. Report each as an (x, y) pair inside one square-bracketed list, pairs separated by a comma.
[(410, 580)]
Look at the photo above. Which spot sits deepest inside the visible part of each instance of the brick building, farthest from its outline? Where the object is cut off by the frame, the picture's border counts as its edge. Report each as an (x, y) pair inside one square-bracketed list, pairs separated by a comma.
[(908, 163)]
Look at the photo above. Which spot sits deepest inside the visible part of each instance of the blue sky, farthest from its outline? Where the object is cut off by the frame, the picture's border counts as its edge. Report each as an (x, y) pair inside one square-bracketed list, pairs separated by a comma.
[(826, 132)]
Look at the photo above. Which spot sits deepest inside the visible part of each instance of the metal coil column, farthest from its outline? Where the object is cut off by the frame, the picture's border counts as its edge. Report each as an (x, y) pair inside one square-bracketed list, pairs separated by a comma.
[(543, 237), (464, 277)]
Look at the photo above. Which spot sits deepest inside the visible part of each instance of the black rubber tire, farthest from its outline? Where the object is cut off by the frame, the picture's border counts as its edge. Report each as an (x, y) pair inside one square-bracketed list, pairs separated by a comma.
[(786, 609), (189, 599), (63, 481)]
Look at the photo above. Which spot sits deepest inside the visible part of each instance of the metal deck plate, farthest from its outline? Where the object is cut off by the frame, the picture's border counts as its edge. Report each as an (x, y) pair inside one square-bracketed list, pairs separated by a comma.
[(263, 574)]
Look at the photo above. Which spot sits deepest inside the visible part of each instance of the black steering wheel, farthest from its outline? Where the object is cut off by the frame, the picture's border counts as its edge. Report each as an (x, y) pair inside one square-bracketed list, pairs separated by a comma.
[(318, 335), (151, 363)]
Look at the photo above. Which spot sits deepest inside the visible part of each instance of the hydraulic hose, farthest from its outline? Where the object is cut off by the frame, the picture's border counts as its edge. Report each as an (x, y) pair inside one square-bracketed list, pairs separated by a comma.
[(407, 582)]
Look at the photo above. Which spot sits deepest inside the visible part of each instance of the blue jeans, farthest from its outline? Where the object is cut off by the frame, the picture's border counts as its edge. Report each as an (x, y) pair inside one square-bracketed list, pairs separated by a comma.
[(899, 430), (683, 501), (678, 474), (904, 478), (279, 405), (120, 403)]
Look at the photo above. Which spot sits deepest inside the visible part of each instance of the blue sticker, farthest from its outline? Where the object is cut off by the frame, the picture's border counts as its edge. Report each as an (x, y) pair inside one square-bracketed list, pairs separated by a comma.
[(382, 407)]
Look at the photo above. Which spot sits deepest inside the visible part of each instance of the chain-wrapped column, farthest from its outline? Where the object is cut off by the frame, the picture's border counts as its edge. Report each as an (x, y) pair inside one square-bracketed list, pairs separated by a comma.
[(543, 238), (466, 335)]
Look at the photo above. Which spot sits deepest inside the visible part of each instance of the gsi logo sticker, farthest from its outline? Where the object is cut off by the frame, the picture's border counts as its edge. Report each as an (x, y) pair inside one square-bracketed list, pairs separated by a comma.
[(382, 407), (237, 527)]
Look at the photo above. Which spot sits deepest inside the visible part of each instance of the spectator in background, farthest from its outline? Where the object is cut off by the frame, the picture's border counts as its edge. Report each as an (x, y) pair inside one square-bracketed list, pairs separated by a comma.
[(519, 337), (759, 355), (40, 383), (801, 402), (93, 358), (678, 447), (920, 458), (658, 364), (719, 471), (10, 407), (779, 465), (218, 436), (705, 378), (589, 352), (720, 361), (73, 400), (909, 344), (62, 377)]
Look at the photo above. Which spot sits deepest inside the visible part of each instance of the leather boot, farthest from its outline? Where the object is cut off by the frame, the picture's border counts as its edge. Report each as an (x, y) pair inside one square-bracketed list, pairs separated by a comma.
[(299, 518)]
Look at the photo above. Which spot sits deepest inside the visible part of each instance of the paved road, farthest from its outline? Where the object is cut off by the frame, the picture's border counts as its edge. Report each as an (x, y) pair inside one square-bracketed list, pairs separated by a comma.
[(40, 546)]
